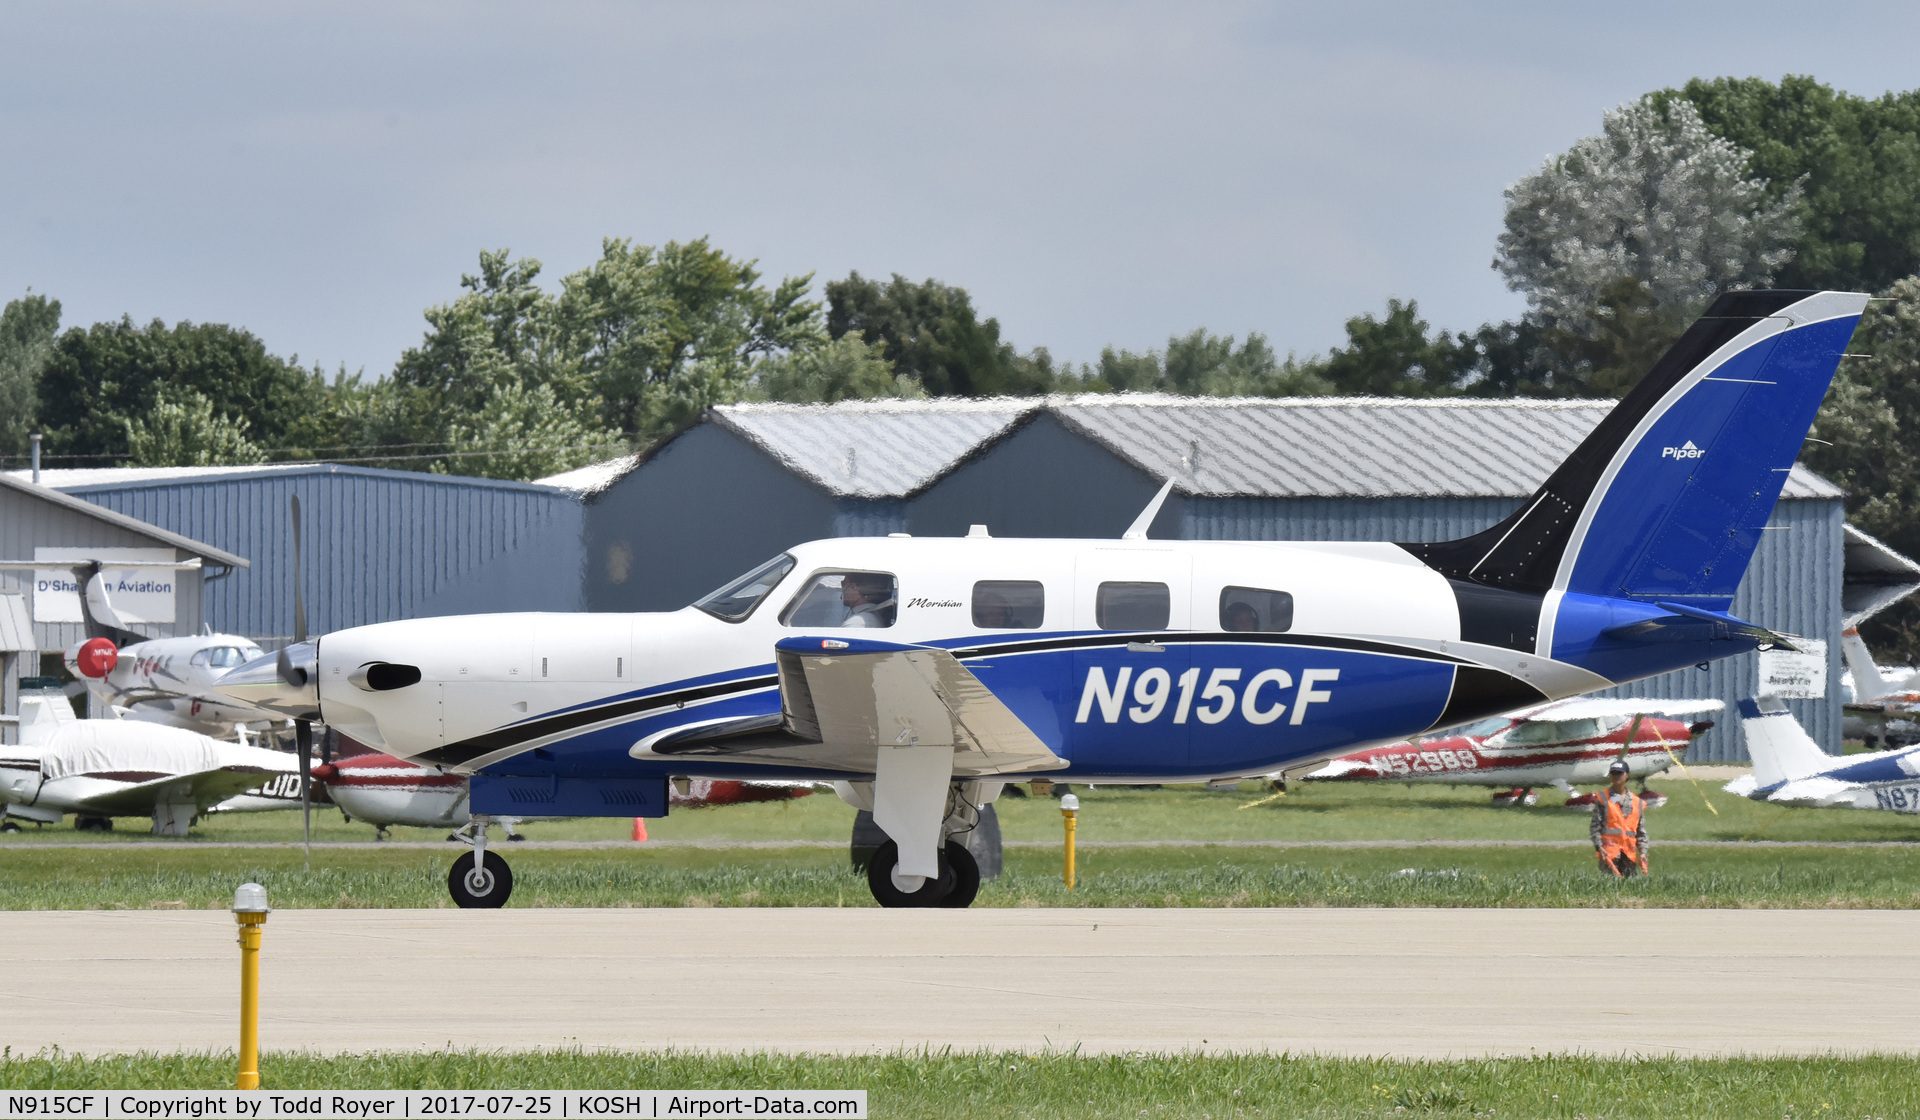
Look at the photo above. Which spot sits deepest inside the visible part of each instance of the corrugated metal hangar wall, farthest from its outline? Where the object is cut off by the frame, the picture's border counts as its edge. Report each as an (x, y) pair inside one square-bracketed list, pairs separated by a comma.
[(378, 544), (1312, 469)]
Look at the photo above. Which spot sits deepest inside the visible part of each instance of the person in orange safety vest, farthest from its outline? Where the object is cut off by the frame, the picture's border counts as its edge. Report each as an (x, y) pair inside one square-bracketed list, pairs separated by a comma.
[(1619, 830)]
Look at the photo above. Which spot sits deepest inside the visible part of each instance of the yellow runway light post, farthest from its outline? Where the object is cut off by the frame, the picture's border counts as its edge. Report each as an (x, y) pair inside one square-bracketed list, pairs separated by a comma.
[(250, 910), (1069, 809)]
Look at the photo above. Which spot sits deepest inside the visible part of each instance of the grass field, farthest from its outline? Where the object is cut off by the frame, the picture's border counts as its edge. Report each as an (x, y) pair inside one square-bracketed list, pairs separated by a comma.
[(1311, 811), (1067, 1085), (190, 877), (670, 872)]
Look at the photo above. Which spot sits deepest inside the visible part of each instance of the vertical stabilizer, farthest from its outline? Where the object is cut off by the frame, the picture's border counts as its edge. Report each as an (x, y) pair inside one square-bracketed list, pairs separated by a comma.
[(1781, 750), (1869, 683)]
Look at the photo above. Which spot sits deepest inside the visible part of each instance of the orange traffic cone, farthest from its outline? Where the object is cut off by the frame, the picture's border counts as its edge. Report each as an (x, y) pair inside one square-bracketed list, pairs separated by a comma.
[(639, 830)]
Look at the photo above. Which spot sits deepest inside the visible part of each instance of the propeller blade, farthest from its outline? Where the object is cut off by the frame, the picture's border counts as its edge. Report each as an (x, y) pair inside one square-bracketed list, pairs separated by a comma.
[(299, 604), (303, 742)]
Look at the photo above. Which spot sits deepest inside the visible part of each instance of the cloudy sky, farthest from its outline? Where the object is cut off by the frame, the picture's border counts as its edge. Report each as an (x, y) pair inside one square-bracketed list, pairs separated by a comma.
[(1094, 174)]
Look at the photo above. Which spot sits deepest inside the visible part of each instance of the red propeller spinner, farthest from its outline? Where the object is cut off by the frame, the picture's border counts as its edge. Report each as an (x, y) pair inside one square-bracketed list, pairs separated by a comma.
[(96, 657)]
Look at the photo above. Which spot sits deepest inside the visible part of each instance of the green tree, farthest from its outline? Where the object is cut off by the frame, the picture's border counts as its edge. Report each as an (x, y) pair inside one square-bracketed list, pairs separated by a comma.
[(1867, 440), (933, 333), (845, 369), (1657, 200), (1202, 364), (1395, 357), (1856, 162), (661, 334), (27, 329), (99, 378), (182, 430)]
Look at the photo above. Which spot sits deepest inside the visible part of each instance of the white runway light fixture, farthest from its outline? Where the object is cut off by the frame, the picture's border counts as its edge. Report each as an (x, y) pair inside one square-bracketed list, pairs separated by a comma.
[(250, 909)]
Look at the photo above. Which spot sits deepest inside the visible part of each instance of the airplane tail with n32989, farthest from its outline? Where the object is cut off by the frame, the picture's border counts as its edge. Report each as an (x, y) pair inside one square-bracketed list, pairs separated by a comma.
[(922, 674)]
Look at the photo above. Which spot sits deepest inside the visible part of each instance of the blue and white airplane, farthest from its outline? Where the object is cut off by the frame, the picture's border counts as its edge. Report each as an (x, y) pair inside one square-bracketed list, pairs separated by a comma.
[(1789, 768), (920, 675)]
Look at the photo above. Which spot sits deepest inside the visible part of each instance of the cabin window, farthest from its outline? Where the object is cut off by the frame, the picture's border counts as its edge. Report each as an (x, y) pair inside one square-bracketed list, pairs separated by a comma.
[(735, 601), (852, 600), (1574, 730), (1009, 604), (1132, 606), (220, 657), (1527, 733), (1251, 610)]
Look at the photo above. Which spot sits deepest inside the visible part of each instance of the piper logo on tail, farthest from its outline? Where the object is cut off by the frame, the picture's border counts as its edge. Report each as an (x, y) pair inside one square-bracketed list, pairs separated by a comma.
[(1684, 451)]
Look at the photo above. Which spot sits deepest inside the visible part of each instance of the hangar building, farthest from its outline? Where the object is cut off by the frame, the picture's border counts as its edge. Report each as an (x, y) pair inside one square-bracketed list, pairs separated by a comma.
[(379, 544), (663, 527), (39, 523)]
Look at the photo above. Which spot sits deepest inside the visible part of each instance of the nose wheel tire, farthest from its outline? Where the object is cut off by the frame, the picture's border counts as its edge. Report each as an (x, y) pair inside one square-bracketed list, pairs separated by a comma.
[(480, 887), (958, 883)]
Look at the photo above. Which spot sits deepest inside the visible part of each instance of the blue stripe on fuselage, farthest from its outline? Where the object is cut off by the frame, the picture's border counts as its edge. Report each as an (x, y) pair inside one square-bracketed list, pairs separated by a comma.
[(1182, 710)]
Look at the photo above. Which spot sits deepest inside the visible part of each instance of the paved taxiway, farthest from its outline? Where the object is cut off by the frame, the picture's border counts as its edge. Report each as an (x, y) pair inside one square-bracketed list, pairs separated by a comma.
[(1385, 981)]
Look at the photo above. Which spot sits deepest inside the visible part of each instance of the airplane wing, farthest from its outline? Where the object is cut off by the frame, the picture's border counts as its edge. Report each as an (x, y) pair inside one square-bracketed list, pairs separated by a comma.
[(842, 699), (1604, 707), (205, 788)]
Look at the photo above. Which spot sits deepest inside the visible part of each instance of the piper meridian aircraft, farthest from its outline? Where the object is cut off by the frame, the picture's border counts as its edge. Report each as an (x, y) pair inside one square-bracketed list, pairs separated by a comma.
[(1562, 744), (920, 675), (1789, 768), (167, 681)]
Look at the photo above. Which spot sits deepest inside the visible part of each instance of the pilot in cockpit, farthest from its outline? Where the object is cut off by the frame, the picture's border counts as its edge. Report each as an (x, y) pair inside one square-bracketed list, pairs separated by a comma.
[(868, 599)]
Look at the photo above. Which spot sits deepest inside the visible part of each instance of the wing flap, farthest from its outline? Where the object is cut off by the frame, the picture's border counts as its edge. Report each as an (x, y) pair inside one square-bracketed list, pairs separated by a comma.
[(842, 700)]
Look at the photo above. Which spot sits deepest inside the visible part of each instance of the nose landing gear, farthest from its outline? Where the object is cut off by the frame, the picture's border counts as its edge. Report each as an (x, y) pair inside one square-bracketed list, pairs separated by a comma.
[(479, 880)]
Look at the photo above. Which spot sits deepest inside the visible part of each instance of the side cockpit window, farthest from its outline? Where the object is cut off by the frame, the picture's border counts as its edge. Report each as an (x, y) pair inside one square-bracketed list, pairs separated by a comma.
[(1009, 604), (851, 600), (1253, 610), (737, 600)]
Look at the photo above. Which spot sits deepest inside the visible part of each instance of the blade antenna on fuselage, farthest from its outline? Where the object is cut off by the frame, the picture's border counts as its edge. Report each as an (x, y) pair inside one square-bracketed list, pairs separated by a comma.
[(1138, 530)]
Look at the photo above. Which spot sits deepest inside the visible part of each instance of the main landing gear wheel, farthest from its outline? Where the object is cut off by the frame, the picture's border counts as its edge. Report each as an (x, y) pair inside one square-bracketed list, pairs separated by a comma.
[(966, 876), (932, 892), (485, 887)]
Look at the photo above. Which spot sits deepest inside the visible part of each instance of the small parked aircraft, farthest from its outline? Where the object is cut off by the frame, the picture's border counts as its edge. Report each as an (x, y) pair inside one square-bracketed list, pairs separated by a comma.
[(1789, 768), (168, 681), (1884, 706), (98, 769), (921, 675), (1565, 744)]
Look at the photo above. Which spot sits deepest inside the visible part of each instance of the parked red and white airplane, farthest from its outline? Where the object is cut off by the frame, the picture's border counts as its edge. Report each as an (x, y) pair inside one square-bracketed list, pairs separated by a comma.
[(1561, 745), (98, 769), (921, 675), (168, 681), (384, 791)]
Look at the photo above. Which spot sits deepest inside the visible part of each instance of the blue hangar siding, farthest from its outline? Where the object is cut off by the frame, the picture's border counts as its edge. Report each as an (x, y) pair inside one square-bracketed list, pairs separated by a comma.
[(379, 544)]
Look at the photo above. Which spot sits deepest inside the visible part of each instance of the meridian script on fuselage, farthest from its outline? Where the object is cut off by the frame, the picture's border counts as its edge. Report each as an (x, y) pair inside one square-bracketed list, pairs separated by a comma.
[(1258, 704)]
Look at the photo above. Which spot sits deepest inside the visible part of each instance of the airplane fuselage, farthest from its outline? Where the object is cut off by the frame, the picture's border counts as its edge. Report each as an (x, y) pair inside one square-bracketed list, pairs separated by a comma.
[(1132, 660)]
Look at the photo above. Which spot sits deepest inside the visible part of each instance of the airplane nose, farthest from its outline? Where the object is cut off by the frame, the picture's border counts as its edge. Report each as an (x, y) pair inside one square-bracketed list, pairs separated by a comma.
[(286, 683)]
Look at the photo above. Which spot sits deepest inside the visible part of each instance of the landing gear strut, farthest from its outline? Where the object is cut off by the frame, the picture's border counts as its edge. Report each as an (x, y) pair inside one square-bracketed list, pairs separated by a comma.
[(956, 880), (479, 880)]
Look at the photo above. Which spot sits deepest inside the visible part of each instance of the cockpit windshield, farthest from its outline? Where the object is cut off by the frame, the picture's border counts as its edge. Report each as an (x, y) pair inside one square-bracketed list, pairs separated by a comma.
[(735, 601)]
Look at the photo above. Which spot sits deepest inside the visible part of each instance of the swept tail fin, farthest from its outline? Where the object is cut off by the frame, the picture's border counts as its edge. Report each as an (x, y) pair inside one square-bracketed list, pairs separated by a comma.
[(1667, 497), (1869, 684), (1781, 750)]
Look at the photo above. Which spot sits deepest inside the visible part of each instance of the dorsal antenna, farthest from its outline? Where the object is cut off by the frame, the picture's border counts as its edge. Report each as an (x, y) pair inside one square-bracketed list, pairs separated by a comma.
[(1138, 530)]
